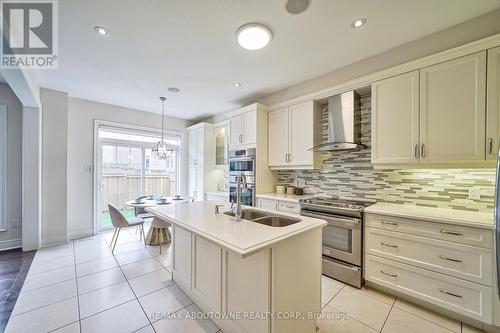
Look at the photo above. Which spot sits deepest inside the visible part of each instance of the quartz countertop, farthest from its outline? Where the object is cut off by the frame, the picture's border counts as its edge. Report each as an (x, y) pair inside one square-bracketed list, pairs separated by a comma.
[(441, 215), (284, 197), (243, 237)]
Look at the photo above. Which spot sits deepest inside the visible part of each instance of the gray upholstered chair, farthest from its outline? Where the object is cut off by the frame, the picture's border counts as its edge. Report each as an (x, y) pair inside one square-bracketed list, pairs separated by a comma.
[(120, 222)]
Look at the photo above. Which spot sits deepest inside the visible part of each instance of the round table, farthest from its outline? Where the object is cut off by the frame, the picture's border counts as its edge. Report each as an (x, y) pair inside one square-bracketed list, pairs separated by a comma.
[(158, 233)]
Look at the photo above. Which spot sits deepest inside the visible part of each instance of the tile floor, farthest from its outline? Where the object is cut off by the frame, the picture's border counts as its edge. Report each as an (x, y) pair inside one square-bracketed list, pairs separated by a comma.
[(82, 287)]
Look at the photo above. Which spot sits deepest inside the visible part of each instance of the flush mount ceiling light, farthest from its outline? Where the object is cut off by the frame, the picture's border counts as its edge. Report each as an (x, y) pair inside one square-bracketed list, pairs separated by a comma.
[(358, 23), (102, 31), (253, 36), (162, 150), (174, 89), (297, 6), (237, 84)]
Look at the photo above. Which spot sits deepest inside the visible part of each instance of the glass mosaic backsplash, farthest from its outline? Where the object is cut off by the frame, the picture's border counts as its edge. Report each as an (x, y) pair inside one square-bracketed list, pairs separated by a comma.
[(350, 175)]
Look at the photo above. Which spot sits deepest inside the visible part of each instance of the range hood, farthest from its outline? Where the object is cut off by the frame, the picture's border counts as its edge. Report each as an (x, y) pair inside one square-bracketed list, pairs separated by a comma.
[(344, 123)]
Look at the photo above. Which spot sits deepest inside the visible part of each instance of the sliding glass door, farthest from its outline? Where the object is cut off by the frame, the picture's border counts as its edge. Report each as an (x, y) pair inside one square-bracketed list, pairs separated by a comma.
[(127, 170)]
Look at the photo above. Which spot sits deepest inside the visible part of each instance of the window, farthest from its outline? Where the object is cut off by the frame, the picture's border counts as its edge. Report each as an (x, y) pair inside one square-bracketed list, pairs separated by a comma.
[(127, 170)]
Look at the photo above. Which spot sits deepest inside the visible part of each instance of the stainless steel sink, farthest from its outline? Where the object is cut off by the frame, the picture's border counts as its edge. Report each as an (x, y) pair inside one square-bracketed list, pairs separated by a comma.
[(264, 218), (249, 214), (276, 221)]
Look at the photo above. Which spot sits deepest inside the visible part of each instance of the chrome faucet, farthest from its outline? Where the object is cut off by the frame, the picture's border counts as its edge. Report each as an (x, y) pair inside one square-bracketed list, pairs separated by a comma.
[(241, 178)]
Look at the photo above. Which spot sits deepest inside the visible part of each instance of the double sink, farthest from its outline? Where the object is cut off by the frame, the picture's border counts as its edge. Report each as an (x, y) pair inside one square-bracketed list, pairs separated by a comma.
[(269, 219)]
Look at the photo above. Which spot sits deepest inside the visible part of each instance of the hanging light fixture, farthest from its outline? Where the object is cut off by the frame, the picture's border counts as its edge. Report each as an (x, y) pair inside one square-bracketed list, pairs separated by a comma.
[(162, 150)]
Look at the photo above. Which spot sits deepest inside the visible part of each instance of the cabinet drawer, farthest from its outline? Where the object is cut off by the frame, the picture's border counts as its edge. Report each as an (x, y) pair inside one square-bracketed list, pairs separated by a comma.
[(467, 298), (267, 204), (443, 231), (462, 261), (290, 207)]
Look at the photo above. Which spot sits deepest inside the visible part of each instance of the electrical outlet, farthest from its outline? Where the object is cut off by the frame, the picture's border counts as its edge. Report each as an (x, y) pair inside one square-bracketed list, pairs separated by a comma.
[(474, 193)]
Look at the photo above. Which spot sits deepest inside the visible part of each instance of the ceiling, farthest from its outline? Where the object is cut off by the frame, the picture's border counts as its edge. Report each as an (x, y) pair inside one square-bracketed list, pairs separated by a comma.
[(156, 44)]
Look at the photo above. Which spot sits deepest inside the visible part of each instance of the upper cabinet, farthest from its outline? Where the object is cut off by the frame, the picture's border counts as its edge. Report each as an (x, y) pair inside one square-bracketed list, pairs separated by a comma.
[(452, 110), (432, 116), (293, 131), (243, 129), (493, 104), (221, 145), (200, 160), (395, 119)]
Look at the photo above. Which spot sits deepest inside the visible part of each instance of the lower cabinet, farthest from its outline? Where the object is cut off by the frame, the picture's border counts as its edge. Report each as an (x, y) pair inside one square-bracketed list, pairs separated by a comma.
[(181, 261), (207, 273), (278, 205)]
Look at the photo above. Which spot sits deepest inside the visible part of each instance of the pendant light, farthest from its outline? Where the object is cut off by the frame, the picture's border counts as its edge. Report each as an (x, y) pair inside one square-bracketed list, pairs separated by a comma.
[(162, 150)]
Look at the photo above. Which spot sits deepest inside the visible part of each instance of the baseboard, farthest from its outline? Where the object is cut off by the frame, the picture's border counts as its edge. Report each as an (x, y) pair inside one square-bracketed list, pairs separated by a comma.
[(54, 241), (10, 244), (81, 233)]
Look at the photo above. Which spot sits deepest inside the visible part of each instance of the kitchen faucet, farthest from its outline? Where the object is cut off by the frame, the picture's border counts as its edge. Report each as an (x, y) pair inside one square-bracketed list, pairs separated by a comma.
[(241, 178)]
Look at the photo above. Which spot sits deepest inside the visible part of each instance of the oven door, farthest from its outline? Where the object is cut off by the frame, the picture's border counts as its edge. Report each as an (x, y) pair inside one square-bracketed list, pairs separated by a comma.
[(243, 164), (247, 197), (341, 237)]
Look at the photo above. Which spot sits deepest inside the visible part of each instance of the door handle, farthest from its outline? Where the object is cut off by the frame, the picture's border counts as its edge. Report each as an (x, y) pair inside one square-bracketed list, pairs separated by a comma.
[(415, 152), (450, 293), (389, 223), (389, 274), (453, 233), (490, 144), (389, 245), (422, 150), (450, 259)]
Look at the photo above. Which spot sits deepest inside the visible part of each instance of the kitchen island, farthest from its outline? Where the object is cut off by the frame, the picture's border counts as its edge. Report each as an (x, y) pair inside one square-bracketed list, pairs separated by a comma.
[(249, 276)]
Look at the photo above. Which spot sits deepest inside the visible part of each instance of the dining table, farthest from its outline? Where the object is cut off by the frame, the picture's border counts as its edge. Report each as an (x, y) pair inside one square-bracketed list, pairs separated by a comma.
[(158, 233)]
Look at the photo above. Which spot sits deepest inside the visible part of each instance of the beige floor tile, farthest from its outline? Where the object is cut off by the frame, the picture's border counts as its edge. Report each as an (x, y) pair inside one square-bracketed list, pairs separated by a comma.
[(95, 266), (365, 309), (99, 280), (104, 298), (71, 328), (127, 317), (400, 321), (160, 303), (186, 324), (333, 321), (329, 288), (166, 260), (141, 267), (379, 295), (436, 318), (147, 329), (469, 329), (150, 282), (44, 279), (133, 256)]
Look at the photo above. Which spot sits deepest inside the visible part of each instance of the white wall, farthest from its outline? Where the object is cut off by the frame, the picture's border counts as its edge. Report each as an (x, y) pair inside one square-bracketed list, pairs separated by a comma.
[(54, 159), (81, 116), (12, 236)]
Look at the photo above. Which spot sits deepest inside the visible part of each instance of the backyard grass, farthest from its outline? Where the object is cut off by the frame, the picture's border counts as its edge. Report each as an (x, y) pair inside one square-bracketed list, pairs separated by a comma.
[(106, 219)]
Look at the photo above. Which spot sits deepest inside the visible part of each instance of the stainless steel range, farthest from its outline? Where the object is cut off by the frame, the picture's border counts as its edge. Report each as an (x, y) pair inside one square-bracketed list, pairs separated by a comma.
[(342, 237)]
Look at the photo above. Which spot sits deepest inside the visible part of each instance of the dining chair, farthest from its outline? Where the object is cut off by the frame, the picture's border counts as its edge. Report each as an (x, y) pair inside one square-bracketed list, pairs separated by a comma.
[(120, 222)]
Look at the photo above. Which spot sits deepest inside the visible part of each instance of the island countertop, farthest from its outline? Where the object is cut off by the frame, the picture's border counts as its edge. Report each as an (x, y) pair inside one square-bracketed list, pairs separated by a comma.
[(243, 237)]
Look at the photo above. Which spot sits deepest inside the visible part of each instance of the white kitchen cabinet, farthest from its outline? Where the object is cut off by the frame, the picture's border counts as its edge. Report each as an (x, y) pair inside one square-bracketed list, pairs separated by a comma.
[(278, 137), (452, 110), (201, 160), (207, 274), (395, 119), (181, 257), (493, 104), (221, 145), (279, 205), (243, 129), (292, 132), (267, 204)]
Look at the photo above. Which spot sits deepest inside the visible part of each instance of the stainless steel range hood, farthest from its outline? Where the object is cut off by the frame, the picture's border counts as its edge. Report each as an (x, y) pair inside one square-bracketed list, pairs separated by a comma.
[(344, 123)]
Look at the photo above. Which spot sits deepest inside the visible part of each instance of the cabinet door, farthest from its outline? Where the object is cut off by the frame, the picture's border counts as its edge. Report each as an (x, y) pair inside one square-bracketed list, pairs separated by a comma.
[(395, 119), (268, 204), (301, 134), (235, 130), (452, 110), (200, 188), (278, 137), (192, 186), (493, 104), (221, 146), (249, 128), (207, 275), (182, 257), (193, 147)]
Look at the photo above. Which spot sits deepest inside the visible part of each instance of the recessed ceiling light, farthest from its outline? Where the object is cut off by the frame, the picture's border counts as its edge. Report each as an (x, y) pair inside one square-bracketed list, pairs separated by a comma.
[(237, 84), (102, 31), (358, 23), (174, 89), (253, 36), (297, 6)]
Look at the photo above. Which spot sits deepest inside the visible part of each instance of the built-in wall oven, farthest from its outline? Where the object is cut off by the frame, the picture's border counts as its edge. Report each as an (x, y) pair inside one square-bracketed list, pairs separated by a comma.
[(242, 161), (342, 237)]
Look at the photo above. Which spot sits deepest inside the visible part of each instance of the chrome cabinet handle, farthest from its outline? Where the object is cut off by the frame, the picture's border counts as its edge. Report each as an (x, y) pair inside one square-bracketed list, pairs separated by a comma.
[(450, 259), (415, 152), (389, 223), (422, 150), (451, 233), (276, 207), (490, 143), (389, 274), (389, 245), (450, 293), (241, 138), (289, 157)]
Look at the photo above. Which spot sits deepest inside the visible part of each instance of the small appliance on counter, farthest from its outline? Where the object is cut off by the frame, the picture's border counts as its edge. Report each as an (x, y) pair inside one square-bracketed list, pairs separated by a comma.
[(299, 191), (290, 190), (280, 189)]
